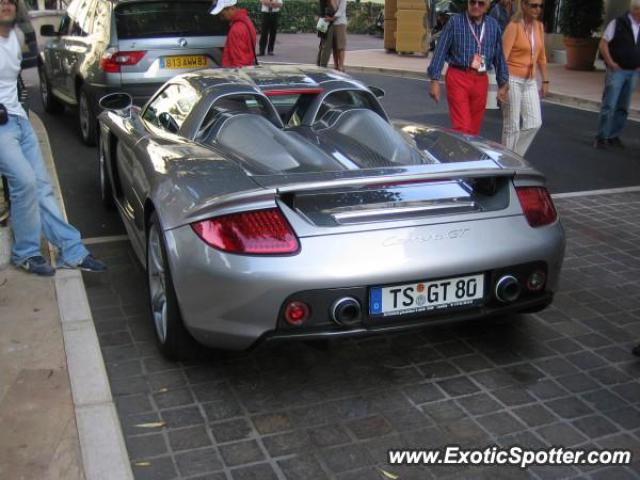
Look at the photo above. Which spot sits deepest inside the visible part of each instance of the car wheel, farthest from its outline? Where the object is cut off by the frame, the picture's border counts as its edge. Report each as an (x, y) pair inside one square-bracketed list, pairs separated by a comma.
[(86, 119), (50, 103), (106, 190), (174, 340)]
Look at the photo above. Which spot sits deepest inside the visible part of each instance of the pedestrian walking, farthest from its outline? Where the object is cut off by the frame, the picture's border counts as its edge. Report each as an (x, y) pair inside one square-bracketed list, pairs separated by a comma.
[(620, 49), (502, 11), (240, 46), (270, 13), (340, 34), (325, 31), (34, 209), (523, 44), (470, 43)]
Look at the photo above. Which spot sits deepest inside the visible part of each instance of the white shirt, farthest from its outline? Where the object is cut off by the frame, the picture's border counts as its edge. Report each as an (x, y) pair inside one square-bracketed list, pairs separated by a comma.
[(611, 29), (264, 8), (341, 13), (10, 58)]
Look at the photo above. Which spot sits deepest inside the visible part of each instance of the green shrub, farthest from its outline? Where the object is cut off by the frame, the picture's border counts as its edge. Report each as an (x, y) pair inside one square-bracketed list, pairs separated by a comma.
[(580, 18), (300, 16)]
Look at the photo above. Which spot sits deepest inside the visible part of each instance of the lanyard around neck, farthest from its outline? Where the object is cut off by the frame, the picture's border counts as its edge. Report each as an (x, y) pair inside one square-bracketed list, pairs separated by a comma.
[(532, 38), (473, 32)]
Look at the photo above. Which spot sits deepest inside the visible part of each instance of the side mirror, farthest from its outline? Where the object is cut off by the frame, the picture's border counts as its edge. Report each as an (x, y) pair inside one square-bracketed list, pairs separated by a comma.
[(119, 103), (48, 31), (378, 92)]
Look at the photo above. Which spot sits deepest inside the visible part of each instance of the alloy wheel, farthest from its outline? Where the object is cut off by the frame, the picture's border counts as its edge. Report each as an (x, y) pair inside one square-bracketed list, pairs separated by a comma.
[(157, 283), (44, 89), (84, 115)]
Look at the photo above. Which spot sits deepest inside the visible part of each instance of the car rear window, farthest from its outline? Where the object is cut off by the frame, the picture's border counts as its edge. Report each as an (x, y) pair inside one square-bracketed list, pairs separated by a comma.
[(167, 19)]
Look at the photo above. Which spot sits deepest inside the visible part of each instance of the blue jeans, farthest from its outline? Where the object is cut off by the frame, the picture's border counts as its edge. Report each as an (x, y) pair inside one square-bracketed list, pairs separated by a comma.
[(616, 99), (34, 209)]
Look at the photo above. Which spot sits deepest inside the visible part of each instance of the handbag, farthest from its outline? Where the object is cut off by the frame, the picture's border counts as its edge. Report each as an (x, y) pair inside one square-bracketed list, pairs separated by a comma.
[(322, 26)]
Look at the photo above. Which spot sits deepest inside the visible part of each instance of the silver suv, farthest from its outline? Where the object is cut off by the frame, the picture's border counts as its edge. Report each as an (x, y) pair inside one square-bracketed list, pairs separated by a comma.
[(102, 46)]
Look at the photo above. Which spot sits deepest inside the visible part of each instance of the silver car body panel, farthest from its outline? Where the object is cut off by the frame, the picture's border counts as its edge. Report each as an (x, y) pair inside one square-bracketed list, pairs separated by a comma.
[(230, 300)]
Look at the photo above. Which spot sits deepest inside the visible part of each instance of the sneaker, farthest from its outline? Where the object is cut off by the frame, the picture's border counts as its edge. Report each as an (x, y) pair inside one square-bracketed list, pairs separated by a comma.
[(615, 142), (91, 264), (600, 143), (38, 265), (261, 54)]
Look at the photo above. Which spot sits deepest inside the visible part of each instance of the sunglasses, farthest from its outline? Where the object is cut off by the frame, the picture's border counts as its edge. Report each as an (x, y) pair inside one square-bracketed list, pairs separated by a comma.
[(480, 3), (535, 5)]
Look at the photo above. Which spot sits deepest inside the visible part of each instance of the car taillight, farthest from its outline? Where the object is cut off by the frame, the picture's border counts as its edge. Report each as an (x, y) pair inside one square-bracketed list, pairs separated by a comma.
[(260, 232), (112, 61), (537, 205)]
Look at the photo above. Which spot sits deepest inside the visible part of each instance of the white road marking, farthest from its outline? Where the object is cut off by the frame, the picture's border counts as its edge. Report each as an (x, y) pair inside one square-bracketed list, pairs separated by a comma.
[(605, 191), (98, 240)]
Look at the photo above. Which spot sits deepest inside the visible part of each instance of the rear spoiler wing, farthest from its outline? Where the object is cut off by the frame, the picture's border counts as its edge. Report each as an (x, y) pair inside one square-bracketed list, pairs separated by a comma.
[(267, 197)]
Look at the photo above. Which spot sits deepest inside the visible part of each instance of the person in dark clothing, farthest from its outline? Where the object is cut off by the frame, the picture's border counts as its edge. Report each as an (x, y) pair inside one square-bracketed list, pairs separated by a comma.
[(636, 351), (502, 11), (620, 49), (270, 13), (326, 12)]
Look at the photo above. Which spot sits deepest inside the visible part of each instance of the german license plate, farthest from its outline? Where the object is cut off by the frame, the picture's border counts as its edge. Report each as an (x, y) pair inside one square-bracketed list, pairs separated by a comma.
[(431, 295), (184, 61)]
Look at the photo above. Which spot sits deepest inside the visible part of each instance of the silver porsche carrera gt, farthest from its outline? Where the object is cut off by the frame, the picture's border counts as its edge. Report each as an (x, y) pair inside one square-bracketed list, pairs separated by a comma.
[(281, 202)]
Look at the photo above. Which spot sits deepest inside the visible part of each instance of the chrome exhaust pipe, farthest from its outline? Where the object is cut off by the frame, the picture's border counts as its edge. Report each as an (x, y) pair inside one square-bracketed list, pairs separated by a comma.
[(346, 312), (508, 289)]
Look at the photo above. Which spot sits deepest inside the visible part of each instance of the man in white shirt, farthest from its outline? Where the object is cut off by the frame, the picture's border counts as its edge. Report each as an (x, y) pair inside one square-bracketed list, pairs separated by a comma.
[(620, 49), (270, 13), (34, 209), (340, 34)]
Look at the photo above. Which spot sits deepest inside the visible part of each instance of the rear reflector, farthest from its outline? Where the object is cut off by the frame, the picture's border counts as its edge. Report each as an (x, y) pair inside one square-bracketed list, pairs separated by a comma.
[(295, 313), (112, 61), (260, 232), (537, 205)]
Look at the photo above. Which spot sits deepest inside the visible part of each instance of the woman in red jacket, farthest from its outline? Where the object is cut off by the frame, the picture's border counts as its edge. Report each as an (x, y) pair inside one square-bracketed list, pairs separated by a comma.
[(240, 47)]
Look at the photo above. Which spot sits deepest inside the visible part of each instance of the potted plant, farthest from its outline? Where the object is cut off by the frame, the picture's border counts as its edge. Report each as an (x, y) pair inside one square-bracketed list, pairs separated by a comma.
[(579, 20)]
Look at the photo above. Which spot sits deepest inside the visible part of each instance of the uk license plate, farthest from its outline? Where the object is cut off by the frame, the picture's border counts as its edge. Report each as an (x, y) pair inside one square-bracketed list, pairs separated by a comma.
[(431, 295), (184, 61)]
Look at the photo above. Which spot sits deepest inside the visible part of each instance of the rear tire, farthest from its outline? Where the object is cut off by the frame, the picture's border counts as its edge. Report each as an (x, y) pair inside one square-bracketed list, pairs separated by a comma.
[(106, 189), (86, 118), (174, 341), (49, 102)]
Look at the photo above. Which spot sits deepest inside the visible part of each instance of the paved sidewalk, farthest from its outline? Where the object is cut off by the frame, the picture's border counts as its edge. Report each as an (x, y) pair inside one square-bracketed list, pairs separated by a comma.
[(57, 417)]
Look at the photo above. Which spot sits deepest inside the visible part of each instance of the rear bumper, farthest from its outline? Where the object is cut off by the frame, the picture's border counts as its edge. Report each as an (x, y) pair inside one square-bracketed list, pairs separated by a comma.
[(416, 322), (233, 301)]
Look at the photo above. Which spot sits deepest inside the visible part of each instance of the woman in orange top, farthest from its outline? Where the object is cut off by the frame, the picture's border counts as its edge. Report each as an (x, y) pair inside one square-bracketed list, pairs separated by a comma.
[(523, 43)]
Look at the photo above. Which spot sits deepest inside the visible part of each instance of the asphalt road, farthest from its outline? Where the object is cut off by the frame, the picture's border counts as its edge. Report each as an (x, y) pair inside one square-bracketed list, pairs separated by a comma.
[(562, 149)]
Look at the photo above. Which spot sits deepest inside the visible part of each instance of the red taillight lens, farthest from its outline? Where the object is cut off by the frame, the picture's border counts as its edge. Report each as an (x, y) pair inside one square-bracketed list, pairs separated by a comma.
[(261, 232), (112, 61), (537, 205), (295, 313)]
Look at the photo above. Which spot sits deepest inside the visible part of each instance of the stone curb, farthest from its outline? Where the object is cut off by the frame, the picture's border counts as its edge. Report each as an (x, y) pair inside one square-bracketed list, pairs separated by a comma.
[(104, 453)]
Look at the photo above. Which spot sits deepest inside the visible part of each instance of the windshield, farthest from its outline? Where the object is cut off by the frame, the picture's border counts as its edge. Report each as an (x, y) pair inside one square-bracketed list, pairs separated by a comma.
[(167, 19)]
